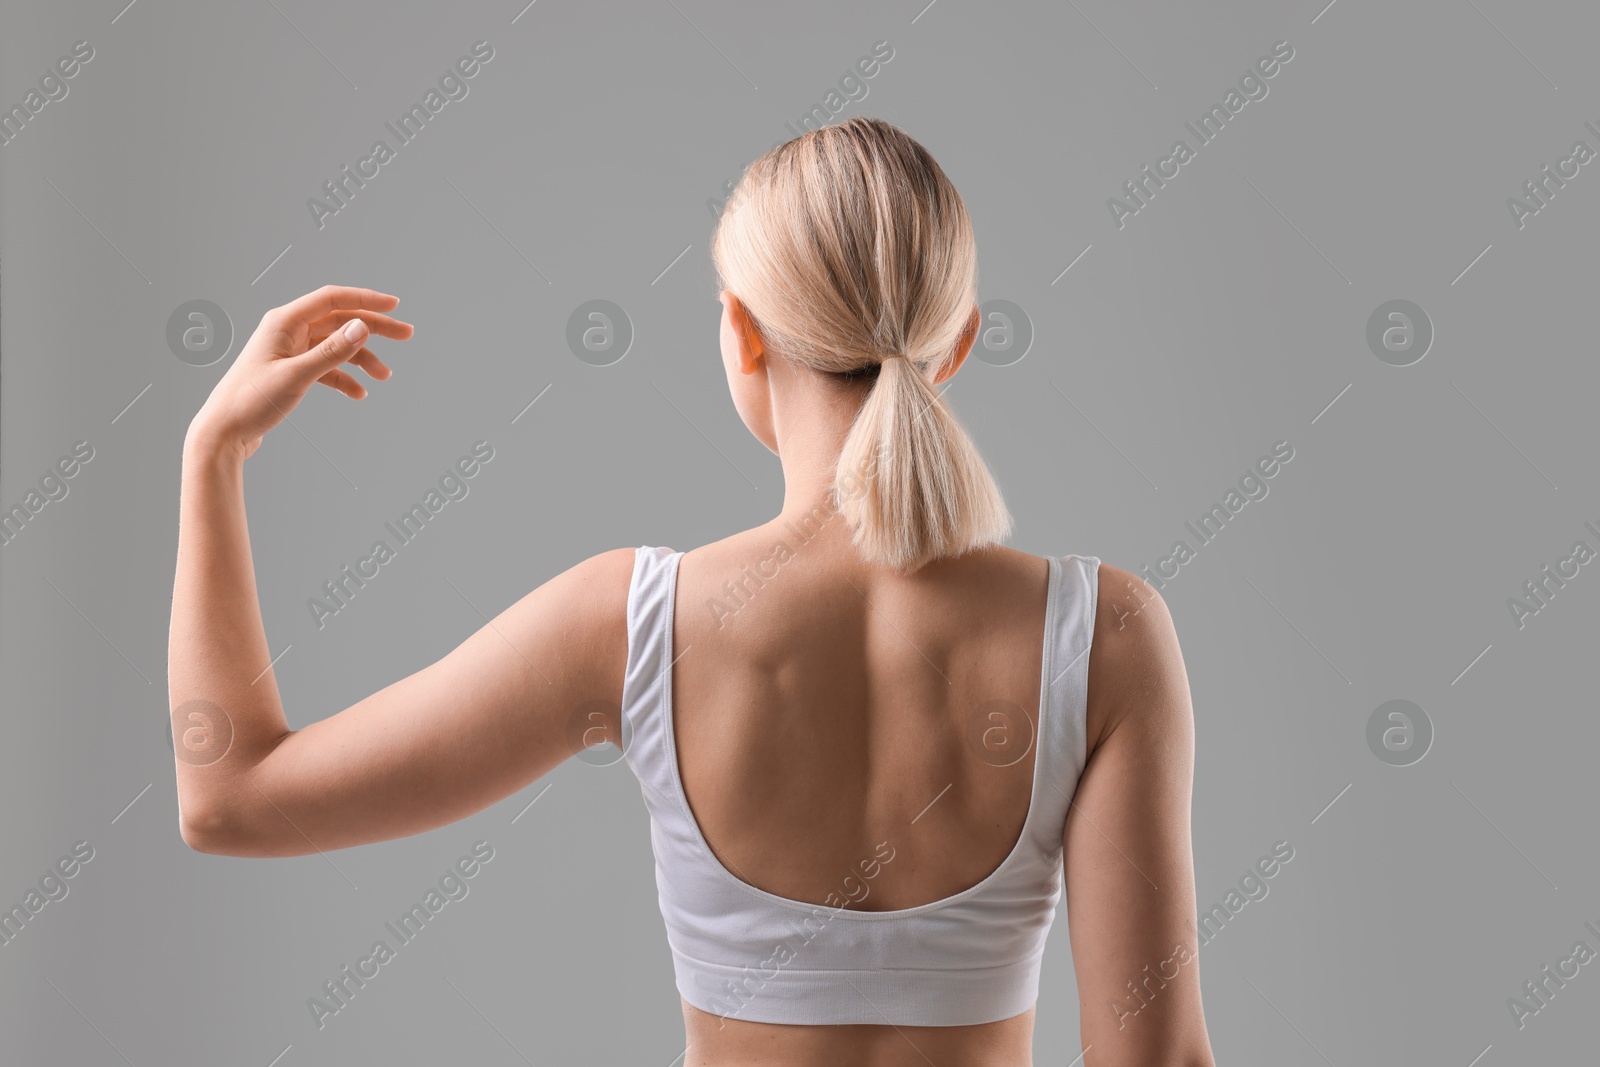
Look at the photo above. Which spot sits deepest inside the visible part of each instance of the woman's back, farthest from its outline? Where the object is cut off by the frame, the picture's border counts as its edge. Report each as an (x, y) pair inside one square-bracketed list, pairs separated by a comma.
[(858, 783), (835, 705)]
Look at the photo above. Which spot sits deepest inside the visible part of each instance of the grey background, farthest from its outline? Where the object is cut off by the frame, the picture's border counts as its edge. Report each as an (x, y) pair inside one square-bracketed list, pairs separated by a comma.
[(1224, 317)]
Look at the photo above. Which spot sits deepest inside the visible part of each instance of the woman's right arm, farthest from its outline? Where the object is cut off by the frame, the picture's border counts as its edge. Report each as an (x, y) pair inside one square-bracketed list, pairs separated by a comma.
[(512, 701), (1129, 860)]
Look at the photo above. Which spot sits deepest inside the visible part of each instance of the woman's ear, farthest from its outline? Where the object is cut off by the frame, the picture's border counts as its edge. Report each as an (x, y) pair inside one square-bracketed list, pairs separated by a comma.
[(963, 346), (748, 337)]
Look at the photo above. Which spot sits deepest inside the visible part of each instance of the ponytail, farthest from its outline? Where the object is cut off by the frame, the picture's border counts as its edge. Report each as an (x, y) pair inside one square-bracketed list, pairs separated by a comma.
[(910, 482)]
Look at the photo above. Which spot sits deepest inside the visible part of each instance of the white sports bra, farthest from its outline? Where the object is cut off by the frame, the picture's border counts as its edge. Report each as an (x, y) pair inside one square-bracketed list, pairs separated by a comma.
[(741, 952)]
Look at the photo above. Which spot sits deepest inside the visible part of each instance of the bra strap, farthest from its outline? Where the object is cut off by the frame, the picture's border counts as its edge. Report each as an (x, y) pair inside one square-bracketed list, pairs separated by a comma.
[(1064, 696), (645, 743)]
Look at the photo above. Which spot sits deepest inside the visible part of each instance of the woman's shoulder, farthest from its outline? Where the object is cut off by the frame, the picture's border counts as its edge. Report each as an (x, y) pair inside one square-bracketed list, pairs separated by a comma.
[(1136, 666), (1123, 597)]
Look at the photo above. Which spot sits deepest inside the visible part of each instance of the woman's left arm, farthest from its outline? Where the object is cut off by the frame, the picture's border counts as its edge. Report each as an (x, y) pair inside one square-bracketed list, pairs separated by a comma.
[(1129, 859), (497, 712)]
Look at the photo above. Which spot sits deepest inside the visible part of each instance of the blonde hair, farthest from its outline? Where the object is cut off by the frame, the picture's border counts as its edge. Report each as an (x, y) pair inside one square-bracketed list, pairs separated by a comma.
[(848, 246)]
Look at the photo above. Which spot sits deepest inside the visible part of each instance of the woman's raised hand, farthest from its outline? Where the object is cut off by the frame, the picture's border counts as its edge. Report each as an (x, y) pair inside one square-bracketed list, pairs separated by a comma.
[(303, 342)]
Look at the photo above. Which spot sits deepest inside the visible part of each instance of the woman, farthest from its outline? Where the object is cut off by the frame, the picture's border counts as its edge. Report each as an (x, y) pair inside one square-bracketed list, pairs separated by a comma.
[(875, 744)]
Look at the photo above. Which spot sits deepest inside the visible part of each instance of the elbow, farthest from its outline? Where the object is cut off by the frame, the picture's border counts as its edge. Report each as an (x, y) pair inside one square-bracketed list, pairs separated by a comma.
[(1199, 1055), (207, 831)]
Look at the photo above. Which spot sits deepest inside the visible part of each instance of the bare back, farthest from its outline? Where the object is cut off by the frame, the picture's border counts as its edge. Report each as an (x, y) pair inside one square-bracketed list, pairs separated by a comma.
[(824, 708)]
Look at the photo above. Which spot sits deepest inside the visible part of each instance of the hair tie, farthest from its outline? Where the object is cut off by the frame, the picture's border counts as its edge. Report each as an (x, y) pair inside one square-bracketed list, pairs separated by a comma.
[(870, 370)]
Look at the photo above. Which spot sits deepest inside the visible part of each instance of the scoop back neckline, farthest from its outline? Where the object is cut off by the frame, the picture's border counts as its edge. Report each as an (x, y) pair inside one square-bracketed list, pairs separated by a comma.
[(724, 874)]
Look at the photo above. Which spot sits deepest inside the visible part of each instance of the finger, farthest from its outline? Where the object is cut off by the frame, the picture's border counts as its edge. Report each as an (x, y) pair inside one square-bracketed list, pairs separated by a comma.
[(338, 347), (343, 382), (332, 297), (366, 359), (375, 367), (380, 324)]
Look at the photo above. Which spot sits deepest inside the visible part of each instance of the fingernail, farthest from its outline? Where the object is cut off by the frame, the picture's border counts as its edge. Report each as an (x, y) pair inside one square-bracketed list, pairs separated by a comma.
[(355, 331)]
